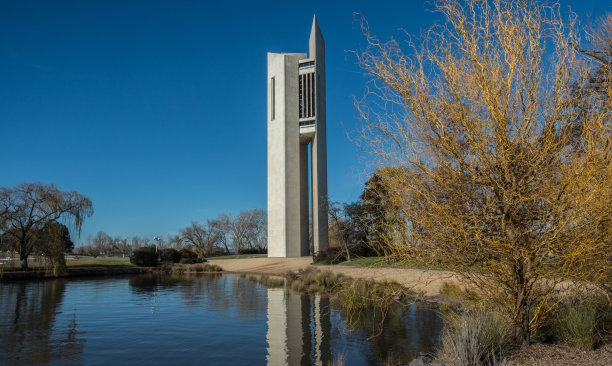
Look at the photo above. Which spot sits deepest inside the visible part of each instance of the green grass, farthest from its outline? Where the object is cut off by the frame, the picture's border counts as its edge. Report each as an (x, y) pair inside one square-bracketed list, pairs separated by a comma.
[(84, 263), (100, 263), (394, 263), (403, 263), (241, 256)]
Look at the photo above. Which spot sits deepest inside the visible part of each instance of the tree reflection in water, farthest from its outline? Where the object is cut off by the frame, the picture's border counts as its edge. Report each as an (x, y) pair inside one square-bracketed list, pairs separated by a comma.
[(222, 292), (28, 333), (49, 322), (397, 337)]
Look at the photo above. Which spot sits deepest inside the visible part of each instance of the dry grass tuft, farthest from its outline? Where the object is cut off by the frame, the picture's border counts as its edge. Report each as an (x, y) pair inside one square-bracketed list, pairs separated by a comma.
[(475, 337)]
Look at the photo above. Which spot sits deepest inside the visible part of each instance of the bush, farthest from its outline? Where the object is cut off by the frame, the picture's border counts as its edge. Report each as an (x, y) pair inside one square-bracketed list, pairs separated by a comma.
[(577, 324), (475, 337), (170, 255), (177, 269), (333, 255), (268, 281), (252, 251), (211, 268), (580, 322), (362, 250), (144, 257), (186, 256), (216, 252)]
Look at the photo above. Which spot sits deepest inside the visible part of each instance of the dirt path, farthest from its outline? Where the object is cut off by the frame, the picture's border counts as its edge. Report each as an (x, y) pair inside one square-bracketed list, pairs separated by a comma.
[(428, 282), (263, 265)]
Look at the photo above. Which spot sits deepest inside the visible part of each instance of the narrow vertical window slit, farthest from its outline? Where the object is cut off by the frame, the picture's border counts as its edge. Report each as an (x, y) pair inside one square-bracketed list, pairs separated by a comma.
[(273, 99)]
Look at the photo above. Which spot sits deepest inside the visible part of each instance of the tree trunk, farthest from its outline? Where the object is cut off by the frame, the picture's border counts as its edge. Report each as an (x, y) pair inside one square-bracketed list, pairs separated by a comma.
[(23, 251), (348, 253), (526, 331), (522, 331), (521, 324), (24, 262)]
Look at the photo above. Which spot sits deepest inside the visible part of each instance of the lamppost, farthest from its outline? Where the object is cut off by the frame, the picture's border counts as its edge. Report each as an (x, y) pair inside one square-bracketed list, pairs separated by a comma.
[(157, 239)]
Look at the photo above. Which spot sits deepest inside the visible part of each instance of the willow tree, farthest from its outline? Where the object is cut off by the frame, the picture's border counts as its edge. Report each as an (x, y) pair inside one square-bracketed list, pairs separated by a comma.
[(502, 155), (28, 207)]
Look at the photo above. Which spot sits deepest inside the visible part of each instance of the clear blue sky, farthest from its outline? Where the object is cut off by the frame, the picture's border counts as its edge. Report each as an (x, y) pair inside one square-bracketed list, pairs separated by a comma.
[(156, 110)]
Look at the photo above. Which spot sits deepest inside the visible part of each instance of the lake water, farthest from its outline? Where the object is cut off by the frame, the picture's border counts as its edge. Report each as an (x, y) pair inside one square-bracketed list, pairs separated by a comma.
[(200, 320)]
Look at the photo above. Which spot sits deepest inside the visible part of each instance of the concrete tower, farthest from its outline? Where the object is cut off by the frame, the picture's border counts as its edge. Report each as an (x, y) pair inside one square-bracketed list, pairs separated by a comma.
[(296, 130)]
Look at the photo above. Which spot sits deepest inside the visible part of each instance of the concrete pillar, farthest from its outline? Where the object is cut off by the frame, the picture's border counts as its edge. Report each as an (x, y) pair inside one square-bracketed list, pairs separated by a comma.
[(319, 144), (304, 212), (283, 156)]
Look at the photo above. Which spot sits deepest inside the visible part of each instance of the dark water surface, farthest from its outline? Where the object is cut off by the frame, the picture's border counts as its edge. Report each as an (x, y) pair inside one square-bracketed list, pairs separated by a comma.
[(202, 320)]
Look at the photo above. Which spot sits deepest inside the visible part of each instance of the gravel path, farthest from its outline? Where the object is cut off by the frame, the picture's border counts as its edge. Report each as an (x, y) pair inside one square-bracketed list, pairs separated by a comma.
[(427, 282)]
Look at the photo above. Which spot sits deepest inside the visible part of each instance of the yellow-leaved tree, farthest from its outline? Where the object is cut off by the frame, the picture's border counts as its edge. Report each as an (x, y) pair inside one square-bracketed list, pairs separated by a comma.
[(498, 154)]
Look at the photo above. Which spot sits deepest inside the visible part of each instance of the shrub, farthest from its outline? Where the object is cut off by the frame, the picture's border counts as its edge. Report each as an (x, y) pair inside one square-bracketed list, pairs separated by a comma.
[(577, 324), (197, 268), (177, 269), (252, 251), (216, 252), (474, 337), (580, 322), (273, 281), (358, 297), (333, 255), (170, 255), (212, 268), (144, 257), (454, 298), (188, 257), (362, 250)]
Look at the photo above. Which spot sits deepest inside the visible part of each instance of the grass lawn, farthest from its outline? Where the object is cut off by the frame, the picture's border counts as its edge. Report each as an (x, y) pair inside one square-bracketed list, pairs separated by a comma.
[(112, 262), (381, 262), (80, 263), (241, 256)]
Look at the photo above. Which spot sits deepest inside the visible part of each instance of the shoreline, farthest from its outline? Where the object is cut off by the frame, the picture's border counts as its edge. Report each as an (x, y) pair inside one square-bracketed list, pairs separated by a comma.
[(425, 282), (41, 274)]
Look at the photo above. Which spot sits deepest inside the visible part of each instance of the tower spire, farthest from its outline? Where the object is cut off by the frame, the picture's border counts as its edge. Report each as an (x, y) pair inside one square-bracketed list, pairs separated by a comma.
[(316, 39)]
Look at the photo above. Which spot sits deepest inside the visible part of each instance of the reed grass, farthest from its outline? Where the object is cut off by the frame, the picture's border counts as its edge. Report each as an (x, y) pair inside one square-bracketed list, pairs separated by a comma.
[(192, 268), (475, 337)]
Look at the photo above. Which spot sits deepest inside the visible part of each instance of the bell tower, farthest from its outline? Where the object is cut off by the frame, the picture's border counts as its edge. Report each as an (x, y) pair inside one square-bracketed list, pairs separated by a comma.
[(297, 195)]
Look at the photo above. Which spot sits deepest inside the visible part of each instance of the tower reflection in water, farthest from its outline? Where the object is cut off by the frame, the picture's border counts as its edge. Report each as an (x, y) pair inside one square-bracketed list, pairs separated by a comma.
[(299, 329), (307, 330)]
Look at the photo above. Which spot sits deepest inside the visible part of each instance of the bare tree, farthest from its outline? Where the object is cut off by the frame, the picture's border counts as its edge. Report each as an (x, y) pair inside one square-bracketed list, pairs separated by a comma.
[(257, 234), (201, 237), (599, 52), (137, 242), (100, 244), (220, 226), (239, 228), (175, 241), (27, 207), (496, 155), (126, 247)]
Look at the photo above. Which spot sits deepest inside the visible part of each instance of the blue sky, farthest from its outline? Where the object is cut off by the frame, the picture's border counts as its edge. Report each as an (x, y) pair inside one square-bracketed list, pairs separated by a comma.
[(156, 110)]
